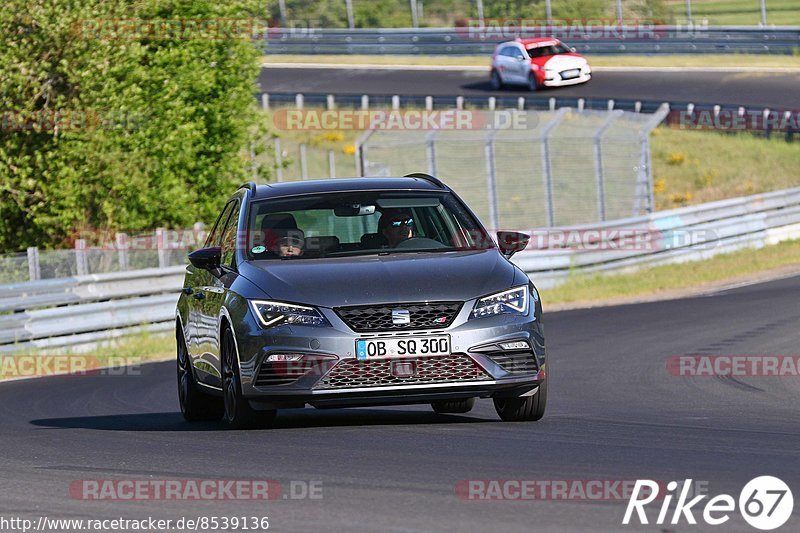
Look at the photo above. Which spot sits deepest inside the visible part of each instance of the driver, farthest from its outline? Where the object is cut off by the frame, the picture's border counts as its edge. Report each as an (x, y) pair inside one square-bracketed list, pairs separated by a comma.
[(396, 226)]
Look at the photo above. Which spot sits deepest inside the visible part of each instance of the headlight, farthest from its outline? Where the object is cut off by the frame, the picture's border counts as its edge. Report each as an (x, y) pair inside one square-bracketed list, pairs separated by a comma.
[(513, 301), (274, 313)]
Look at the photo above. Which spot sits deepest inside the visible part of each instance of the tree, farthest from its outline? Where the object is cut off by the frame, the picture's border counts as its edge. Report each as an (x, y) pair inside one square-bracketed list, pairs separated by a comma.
[(109, 123)]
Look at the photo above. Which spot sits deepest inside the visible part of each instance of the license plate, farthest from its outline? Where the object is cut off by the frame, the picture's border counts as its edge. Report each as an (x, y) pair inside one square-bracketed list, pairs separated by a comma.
[(568, 74), (403, 346)]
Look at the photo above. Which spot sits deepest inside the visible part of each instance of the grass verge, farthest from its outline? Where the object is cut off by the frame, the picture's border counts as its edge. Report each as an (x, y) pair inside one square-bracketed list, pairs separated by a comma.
[(627, 60), (669, 280), (692, 167), (128, 351)]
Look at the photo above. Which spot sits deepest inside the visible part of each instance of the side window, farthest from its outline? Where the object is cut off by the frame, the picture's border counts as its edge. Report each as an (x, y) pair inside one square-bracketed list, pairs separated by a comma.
[(215, 236), (229, 240), (504, 51), (517, 53)]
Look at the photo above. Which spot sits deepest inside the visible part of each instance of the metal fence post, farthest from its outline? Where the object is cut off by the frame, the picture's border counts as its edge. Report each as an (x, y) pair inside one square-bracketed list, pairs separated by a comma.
[(265, 101), (350, 20), (298, 101), (763, 12), (598, 163), (331, 164), (480, 10), (200, 235), (34, 272), (303, 162), (430, 145), (282, 10), (278, 160), (81, 264), (491, 180), (548, 9), (689, 11), (122, 250), (160, 245), (361, 146), (547, 168), (253, 165), (644, 185), (414, 21)]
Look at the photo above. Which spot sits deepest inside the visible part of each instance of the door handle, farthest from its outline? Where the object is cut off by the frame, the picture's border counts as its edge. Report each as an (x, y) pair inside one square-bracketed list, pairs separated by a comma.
[(199, 295)]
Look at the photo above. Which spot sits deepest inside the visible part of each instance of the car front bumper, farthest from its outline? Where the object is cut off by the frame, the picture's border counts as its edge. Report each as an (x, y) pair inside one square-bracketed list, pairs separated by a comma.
[(331, 375)]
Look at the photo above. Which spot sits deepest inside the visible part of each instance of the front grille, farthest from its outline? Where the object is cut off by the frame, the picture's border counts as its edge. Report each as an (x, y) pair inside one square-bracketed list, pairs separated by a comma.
[(433, 315), (516, 362), (352, 373)]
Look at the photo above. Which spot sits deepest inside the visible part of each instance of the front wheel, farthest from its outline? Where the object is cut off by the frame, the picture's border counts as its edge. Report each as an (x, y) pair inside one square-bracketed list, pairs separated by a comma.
[(529, 408), (532, 85), (495, 81), (195, 405), (238, 413)]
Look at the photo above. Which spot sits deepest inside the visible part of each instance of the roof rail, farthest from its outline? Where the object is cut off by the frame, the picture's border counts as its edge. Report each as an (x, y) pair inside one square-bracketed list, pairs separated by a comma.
[(250, 185), (427, 177)]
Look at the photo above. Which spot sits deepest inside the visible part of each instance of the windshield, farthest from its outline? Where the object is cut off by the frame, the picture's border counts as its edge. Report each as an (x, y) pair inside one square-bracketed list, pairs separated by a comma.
[(361, 223), (550, 50)]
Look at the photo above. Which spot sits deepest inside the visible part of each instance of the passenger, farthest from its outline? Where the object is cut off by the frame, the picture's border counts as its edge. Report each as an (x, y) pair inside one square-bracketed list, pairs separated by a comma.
[(396, 226)]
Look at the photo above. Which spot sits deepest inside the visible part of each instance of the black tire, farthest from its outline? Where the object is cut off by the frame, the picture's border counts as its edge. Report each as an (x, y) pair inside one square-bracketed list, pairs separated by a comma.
[(496, 81), (237, 411), (195, 404), (532, 85), (454, 406), (530, 408)]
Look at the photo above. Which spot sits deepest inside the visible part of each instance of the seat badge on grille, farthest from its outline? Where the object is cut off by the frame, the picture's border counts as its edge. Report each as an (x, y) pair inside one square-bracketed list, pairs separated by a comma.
[(401, 316)]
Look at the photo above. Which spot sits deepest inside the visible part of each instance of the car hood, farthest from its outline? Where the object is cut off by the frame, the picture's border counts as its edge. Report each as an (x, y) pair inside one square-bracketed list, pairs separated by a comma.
[(375, 279), (563, 62)]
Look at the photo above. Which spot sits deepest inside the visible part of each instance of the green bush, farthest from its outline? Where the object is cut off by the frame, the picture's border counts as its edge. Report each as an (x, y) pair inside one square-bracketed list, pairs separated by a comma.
[(158, 129)]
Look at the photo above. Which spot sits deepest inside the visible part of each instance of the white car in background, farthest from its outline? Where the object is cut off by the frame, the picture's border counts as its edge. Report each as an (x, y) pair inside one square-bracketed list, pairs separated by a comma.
[(537, 63)]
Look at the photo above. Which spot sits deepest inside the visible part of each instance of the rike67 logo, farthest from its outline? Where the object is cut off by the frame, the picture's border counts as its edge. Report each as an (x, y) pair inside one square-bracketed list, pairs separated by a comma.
[(765, 503)]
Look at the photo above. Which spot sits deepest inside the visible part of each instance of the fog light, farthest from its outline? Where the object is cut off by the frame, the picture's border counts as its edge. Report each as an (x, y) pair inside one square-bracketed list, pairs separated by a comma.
[(284, 357), (516, 345)]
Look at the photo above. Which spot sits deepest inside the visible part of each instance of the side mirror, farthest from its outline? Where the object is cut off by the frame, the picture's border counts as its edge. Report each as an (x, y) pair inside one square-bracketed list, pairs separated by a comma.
[(511, 242), (573, 49), (206, 258)]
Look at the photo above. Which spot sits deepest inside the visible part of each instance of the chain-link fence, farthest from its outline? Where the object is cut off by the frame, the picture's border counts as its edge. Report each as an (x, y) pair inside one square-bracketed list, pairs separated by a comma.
[(102, 253), (564, 168)]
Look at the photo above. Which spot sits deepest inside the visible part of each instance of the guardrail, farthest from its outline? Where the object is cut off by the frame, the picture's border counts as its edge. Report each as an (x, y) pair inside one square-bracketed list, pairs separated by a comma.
[(641, 39), (87, 309), (678, 235), (84, 309)]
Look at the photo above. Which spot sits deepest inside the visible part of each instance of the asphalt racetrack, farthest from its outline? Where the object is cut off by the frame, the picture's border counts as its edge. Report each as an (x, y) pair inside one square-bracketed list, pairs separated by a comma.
[(615, 413), (776, 90)]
